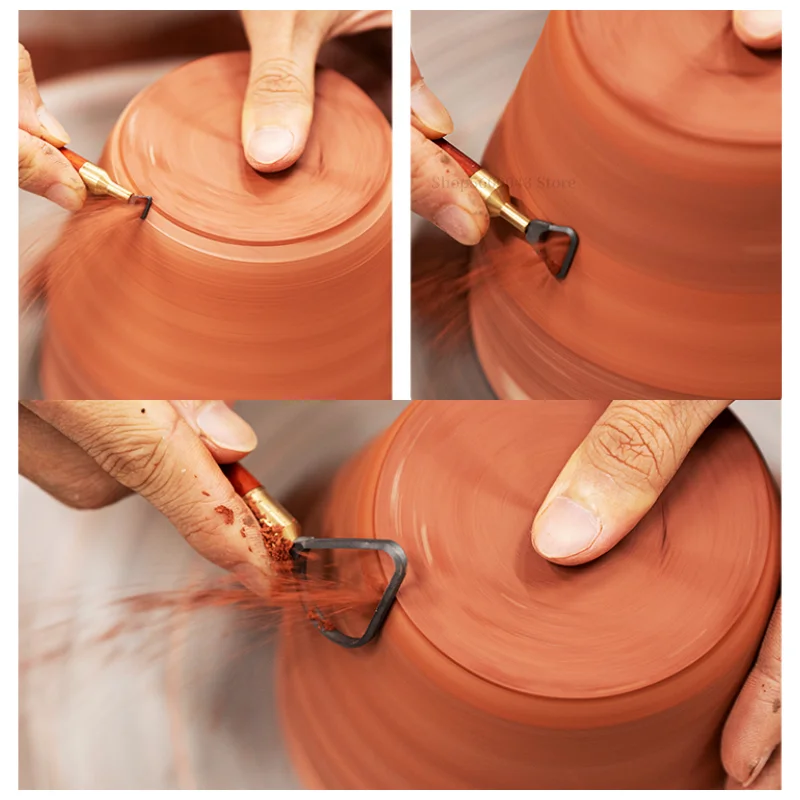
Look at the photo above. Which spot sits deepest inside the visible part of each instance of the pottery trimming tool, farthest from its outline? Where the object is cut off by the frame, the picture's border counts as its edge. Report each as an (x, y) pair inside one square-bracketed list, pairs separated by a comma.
[(98, 181), (497, 197), (274, 517)]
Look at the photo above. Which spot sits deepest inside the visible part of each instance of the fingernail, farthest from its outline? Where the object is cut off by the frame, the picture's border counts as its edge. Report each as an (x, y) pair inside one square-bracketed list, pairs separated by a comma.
[(52, 126), (428, 109), (269, 145), (458, 223), (756, 770), (65, 197), (565, 529), (762, 24), (225, 428)]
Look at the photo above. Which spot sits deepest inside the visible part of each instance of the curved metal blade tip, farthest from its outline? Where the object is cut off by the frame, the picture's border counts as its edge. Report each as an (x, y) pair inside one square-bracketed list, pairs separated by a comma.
[(538, 232), (148, 201)]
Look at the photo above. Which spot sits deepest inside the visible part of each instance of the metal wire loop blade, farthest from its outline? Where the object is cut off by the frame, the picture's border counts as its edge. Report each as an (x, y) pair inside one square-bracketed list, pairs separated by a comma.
[(400, 561), (539, 230), (148, 201)]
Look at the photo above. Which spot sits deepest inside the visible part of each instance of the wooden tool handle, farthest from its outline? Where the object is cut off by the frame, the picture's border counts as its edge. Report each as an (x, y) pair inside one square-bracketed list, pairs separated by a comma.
[(73, 158), (462, 159), (241, 479)]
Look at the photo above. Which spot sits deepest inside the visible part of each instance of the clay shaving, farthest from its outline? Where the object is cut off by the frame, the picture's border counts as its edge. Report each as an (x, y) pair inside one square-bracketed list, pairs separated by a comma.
[(278, 548), (227, 514)]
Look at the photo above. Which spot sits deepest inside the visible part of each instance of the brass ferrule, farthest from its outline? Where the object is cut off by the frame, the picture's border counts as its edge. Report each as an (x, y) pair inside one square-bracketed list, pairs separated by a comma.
[(269, 512), (497, 198), (98, 181)]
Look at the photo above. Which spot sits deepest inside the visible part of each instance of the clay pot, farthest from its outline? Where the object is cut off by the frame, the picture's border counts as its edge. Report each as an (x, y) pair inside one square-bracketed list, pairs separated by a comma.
[(497, 669), (258, 286), (657, 136)]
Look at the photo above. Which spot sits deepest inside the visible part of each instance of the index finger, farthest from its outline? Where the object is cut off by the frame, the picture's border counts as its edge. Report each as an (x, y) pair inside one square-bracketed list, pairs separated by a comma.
[(33, 116), (428, 114)]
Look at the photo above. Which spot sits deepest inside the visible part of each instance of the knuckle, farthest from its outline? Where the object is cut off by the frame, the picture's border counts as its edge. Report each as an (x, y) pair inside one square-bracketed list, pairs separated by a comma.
[(27, 160), (277, 77), (25, 63), (424, 179), (137, 458), (766, 682), (770, 662), (34, 153), (40, 162), (640, 445), (436, 179)]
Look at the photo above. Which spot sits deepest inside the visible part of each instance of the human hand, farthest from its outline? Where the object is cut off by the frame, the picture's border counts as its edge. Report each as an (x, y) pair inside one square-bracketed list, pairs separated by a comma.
[(440, 190), (89, 454), (751, 739), (616, 475), (610, 482), (761, 30), (279, 103), (43, 170)]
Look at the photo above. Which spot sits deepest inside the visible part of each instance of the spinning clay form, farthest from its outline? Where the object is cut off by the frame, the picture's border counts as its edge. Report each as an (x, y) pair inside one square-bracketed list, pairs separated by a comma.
[(255, 285), (498, 669), (657, 136)]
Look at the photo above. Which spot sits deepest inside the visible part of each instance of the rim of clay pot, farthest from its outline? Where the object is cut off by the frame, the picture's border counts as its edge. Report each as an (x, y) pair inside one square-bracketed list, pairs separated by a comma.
[(719, 307), (643, 90), (559, 711), (330, 229)]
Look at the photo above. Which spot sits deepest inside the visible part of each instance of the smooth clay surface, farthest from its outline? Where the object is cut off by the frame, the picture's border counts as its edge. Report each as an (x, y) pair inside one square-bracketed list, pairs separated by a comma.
[(657, 136), (497, 669), (253, 285)]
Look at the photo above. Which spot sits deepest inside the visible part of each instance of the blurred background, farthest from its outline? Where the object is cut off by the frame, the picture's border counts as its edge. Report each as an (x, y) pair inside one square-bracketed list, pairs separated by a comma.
[(65, 42)]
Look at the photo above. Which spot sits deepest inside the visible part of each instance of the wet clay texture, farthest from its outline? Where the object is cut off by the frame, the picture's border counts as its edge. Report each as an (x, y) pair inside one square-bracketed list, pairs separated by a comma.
[(657, 136), (497, 669), (259, 286)]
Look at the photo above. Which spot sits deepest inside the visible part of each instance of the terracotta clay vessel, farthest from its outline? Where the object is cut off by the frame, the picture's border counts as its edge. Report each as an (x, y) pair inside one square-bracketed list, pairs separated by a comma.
[(657, 136), (250, 285), (497, 669)]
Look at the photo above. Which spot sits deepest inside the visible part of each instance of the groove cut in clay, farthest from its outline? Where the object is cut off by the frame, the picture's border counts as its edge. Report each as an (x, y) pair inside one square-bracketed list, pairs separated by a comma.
[(657, 136), (238, 284), (497, 669)]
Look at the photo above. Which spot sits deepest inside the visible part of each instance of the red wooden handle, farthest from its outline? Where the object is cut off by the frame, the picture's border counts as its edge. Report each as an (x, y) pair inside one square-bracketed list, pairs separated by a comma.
[(462, 159), (241, 479), (73, 158)]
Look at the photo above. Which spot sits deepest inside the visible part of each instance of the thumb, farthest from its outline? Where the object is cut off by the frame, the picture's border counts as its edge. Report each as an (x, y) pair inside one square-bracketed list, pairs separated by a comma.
[(279, 102), (226, 435), (617, 474), (761, 30)]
